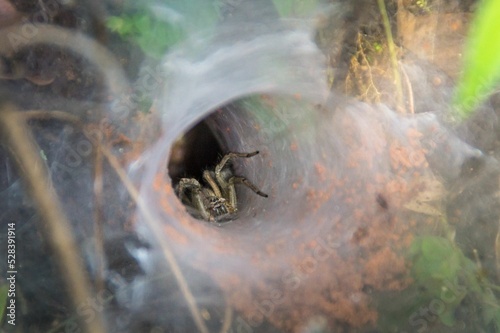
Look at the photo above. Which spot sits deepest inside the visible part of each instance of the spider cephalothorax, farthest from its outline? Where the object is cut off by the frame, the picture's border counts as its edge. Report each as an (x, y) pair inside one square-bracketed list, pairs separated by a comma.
[(216, 202)]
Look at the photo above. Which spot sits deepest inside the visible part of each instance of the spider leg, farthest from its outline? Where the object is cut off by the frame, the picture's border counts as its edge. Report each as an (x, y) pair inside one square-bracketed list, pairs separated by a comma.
[(218, 169), (200, 205), (186, 183), (196, 196), (229, 156), (242, 180), (207, 175)]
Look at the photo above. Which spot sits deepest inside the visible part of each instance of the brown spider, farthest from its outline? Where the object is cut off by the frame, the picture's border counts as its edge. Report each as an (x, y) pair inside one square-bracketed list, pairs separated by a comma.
[(218, 202)]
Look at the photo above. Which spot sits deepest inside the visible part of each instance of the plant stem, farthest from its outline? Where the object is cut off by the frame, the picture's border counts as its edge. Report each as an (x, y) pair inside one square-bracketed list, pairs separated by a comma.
[(392, 53)]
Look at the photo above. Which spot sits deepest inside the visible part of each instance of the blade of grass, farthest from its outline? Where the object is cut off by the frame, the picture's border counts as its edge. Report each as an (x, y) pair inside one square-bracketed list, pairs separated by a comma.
[(481, 66)]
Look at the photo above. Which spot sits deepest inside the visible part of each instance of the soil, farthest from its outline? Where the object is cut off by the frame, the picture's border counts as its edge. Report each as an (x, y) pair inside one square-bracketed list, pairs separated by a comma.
[(331, 293)]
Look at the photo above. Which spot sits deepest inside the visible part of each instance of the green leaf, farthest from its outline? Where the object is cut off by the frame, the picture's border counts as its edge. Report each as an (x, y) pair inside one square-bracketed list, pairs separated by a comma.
[(436, 260), (142, 24), (435, 248), (481, 68), (119, 25), (288, 8), (439, 259), (155, 33), (441, 269), (496, 319), (448, 317)]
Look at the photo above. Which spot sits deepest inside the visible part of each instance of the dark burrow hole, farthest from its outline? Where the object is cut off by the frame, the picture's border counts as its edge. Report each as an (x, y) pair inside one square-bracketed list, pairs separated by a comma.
[(202, 148), (193, 152)]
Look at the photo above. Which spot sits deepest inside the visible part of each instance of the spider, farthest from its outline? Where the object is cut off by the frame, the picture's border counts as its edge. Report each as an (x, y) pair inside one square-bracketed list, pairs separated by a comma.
[(217, 202)]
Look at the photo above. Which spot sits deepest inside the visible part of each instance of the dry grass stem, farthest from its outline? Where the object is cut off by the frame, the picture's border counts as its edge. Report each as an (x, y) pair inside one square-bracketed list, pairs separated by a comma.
[(56, 227)]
